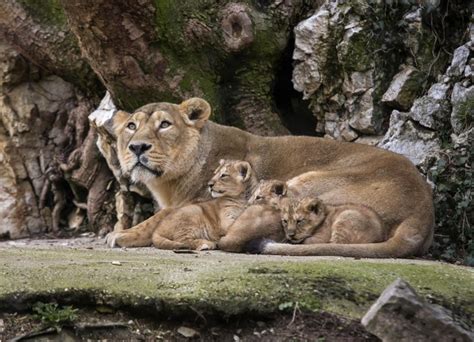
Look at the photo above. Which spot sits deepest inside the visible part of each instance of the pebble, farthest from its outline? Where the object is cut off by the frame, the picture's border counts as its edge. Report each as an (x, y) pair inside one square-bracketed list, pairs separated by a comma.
[(188, 332)]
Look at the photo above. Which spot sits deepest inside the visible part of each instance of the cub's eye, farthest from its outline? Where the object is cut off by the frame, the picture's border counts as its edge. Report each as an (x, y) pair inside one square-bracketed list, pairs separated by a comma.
[(285, 222), (131, 126), (298, 222), (165, 124)]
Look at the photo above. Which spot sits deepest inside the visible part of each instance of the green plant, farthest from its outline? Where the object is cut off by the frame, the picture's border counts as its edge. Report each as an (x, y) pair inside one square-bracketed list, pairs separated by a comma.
[(453, 197), (51, 315)]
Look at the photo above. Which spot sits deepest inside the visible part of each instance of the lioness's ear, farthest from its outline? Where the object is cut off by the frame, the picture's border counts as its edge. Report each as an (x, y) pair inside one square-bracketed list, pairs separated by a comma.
[(279, 188), (221, 162), (244, 169), (196, 111), (315, 206)]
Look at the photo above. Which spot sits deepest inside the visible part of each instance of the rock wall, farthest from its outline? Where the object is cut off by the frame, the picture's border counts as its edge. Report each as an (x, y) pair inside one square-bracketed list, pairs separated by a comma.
[(43, 134)]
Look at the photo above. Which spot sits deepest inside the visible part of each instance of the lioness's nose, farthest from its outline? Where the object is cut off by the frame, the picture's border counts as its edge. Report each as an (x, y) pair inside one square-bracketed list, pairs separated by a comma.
[(210, 184), (139, 148)]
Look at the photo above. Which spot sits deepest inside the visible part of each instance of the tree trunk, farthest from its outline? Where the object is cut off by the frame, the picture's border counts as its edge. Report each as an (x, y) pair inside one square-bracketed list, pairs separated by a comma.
[(170, 50)]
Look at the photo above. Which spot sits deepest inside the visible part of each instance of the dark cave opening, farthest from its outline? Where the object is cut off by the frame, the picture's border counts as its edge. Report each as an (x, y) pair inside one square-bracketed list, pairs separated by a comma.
[(293, 110)]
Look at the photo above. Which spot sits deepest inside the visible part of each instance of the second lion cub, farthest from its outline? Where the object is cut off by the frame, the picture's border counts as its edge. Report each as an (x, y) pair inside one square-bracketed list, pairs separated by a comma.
[(198, 226), (310, 221)]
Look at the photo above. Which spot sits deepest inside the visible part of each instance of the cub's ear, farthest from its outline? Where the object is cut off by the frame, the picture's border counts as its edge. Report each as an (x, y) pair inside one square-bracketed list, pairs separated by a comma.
[(279, 188), (315, 206), (119, 119), (113, 124), (244, 169), (196, 111)]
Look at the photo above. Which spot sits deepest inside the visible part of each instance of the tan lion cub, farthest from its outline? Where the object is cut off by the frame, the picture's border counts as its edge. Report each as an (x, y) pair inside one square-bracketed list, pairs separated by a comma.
[(310, 221), (199, 226)]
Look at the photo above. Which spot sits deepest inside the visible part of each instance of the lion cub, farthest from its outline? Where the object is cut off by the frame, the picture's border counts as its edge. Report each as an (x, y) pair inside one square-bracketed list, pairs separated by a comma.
[(310, 221), (199, 226), (261, 218)]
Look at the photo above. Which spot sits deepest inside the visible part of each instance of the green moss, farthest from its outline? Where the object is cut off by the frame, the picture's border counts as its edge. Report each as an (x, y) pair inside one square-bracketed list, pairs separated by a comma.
[(47, 11), (219, 283)]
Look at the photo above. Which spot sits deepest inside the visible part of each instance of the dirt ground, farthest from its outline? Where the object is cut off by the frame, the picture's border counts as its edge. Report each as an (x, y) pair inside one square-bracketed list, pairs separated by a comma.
[(113, 326)]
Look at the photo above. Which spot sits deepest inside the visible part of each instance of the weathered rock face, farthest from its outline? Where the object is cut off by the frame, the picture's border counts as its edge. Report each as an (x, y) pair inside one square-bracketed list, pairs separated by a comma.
[(344, 66), (401, 315), (43, 135)]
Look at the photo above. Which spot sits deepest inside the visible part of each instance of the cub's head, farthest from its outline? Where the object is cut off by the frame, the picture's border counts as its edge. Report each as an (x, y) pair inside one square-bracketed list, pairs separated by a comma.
[(159, 140), (301, 218), (269, 192), (232, 178)]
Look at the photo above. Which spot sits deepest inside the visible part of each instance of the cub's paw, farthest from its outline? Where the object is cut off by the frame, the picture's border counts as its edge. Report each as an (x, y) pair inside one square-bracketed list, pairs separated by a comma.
[(207, 246), (257, 246)]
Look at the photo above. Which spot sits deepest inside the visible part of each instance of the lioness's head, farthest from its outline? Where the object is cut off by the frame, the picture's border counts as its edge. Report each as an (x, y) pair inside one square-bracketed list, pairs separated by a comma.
[(231, 178), (159, 140), (269, 192), (301, 218)]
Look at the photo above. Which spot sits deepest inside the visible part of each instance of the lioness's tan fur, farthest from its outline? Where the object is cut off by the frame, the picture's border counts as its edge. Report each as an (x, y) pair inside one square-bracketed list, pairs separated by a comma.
[(182, 156), (199, 226), (310, 221)]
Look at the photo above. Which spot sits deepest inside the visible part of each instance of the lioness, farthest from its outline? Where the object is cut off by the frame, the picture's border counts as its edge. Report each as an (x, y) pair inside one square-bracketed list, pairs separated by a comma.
[(199, 226), (172, 149), (310, 221)]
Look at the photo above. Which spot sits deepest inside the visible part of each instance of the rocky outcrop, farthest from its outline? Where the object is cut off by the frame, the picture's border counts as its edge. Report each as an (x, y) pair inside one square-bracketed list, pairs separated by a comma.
[(44, 138), (347, 66), (401, 315)]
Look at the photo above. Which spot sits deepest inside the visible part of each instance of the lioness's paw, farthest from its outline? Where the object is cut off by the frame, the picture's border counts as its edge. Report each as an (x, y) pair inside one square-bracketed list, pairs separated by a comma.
[(111, 239)]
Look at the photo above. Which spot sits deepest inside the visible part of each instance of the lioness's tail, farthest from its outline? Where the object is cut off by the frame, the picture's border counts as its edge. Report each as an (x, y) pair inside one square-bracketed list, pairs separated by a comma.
[(407, 241)]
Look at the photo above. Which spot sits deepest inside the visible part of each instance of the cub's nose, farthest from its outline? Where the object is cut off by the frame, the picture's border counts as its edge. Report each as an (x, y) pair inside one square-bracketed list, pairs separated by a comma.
[(290, 233), (139, 148)]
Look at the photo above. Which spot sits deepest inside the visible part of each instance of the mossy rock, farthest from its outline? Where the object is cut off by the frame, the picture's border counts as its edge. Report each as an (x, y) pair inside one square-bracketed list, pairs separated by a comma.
[(217, 283)]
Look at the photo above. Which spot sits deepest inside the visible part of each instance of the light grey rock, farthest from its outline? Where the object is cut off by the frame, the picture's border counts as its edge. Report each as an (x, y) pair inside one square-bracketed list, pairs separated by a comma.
[(310, 52), (406, 138), (462, 100), (404, 88), (401, 315), (465, 139), (363, 118), (426, 111), (358, 82), (460, 57), (438, 91)]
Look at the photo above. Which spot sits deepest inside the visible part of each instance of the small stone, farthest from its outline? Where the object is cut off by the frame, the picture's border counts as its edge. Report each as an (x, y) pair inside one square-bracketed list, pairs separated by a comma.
[(460, 56), (188, 332), (401, 315), (438, 91), (116, 263), (403, 89), (2, 326)]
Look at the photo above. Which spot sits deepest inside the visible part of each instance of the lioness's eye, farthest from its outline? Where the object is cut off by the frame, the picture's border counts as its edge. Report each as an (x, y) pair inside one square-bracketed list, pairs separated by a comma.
[(131, 126), (224, 176), (165, 124), (258, 197)]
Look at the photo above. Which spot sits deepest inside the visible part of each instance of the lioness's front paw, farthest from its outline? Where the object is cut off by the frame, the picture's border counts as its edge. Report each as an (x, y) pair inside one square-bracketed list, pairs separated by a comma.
[(111, 239)]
